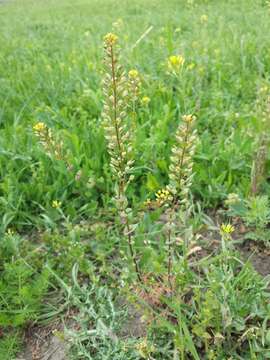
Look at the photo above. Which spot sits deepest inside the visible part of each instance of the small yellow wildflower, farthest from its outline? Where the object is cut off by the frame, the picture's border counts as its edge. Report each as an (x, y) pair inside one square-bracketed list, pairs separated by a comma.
[(110, 39), (176, 62), (133, 74), (204, 19), (39, 127), (145, 100), (163, 196), (263, 89), (56, 204), (227, 229), (10, 232), (188, 118)]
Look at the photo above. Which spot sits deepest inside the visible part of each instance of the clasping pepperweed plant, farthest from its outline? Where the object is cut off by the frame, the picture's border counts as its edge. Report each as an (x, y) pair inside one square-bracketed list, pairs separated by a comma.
[(46, 139), (180, 175), (118, 136), (118, 92)]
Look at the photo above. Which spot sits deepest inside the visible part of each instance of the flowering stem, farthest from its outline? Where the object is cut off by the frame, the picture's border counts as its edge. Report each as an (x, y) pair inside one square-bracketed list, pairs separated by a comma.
[(121, 175), (174, 206)]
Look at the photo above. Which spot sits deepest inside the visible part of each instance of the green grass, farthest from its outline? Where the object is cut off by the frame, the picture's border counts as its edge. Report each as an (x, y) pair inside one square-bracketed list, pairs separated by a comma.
[(50, 71)]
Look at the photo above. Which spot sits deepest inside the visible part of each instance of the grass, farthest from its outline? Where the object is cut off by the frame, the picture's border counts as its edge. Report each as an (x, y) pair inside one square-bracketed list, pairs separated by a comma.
[(58, 210)]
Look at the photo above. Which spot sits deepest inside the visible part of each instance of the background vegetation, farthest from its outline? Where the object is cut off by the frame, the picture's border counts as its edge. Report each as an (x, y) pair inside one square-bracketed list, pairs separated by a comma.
[(57, 215)]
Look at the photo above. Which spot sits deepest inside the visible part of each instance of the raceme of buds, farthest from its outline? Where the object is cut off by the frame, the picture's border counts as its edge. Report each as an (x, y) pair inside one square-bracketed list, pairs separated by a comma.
[(115, 113), (181, 167), (51, 146)]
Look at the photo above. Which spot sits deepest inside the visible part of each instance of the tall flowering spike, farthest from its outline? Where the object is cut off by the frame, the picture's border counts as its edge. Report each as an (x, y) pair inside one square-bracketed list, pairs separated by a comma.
[(180, 175), (115, 115), (117, 134), (52, 147), (134, 84), (181, 167)]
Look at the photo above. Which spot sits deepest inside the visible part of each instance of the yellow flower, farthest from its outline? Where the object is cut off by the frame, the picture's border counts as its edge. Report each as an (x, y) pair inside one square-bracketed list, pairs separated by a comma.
[(227, 229), (39, 127), (263, 89), (204, 19), (175, 62), (56, 204), (10, 232), (110, 39), (163, 196), (133, 74), (188, 118), (145, 100)]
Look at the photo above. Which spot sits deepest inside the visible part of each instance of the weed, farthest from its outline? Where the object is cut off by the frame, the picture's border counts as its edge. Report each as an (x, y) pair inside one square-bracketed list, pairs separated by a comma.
[(118, 136)]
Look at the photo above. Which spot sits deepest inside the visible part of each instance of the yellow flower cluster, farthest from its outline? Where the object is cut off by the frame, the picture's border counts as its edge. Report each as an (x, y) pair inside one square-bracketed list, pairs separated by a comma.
[(110, 39), (10, 232), (263, 89), (204, 19), (56, 204), (227, 229), (133, 74), (39, 127), (134, 85), (145, 100), (163, 196), (188, 118), (176, 62)]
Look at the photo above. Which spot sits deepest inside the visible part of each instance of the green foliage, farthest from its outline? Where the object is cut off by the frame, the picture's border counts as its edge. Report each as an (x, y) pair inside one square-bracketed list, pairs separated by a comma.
[(21, 292), (63, 250), (96, 323), (255, 213), (258, 212), (61, 87), (9, 345), (226, 315), (201, 57)]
